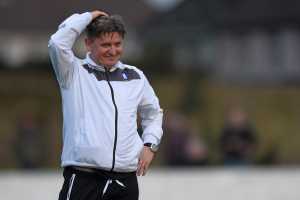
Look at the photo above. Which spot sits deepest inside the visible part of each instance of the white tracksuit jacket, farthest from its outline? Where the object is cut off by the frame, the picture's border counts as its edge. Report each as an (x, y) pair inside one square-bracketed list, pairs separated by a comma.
[(100, 107)]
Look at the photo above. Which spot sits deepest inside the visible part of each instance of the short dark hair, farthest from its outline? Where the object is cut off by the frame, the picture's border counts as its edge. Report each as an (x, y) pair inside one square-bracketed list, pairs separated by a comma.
[(106, 24)]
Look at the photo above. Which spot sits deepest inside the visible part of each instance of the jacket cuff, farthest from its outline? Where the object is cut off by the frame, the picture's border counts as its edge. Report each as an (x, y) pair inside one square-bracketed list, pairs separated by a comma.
[(78, 22), (151, 139), (82, 22)]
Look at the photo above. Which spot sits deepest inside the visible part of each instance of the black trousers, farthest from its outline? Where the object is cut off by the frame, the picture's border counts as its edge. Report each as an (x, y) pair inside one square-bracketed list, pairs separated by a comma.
[(98, 185)]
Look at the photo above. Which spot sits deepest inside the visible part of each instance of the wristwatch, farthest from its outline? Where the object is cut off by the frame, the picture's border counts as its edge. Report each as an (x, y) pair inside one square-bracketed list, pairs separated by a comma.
[(153, 147)]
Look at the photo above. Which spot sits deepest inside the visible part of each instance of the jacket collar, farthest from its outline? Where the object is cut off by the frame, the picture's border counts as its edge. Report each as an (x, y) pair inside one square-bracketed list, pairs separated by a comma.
[(88, 60)]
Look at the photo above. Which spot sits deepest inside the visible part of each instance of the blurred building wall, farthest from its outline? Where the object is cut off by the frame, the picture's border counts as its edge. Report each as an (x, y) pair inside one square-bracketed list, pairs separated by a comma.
[(27, 25), (238, 41)]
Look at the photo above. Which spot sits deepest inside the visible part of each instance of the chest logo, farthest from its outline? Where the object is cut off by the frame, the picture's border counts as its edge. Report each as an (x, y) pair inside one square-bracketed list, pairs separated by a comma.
[(124, 76)]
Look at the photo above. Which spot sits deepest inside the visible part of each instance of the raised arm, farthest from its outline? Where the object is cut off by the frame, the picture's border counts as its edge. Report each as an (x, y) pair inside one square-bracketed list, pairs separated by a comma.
[(61, 43)]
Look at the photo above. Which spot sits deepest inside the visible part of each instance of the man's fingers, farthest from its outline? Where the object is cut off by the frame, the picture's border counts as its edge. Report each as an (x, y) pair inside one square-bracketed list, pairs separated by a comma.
[(101, 13), (144, 161), (98, 13), (142, 168), (146, 165), (139, 169)]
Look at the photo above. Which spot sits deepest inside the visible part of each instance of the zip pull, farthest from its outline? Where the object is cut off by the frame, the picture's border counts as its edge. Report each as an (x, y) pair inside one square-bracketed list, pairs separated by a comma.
[(108, 182), (70, 186), (120, 183)]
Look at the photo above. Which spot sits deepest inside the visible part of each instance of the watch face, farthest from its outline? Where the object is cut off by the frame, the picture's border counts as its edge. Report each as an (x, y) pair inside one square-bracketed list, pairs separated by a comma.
[(154, 147)]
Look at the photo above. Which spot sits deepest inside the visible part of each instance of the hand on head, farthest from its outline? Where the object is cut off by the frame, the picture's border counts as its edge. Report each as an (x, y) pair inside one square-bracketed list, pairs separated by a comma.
[(97, 13)]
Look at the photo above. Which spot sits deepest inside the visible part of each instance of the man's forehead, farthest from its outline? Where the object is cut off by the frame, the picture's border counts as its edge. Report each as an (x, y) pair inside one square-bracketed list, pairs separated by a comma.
[(110, 36)]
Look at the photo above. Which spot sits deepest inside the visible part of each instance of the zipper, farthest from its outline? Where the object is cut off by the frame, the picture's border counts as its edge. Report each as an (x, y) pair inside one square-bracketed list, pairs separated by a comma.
[(116, 119)]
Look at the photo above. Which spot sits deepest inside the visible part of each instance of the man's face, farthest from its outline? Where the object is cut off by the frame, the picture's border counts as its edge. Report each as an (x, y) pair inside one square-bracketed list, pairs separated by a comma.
[(106, 49)]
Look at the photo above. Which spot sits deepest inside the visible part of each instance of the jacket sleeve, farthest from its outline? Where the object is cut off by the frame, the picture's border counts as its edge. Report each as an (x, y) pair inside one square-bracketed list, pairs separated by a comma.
[(151, 115), (61, 43)]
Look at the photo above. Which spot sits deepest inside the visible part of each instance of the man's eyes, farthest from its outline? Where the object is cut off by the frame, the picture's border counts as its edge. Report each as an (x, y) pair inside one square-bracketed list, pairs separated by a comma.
[(105, 45), (110, 45)]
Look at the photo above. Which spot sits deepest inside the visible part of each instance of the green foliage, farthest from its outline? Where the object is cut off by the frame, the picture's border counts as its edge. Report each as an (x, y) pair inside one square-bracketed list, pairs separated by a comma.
[(273, 110)]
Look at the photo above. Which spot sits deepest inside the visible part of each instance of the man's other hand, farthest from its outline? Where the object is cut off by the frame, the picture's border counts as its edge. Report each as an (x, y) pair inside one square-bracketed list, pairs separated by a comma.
[(145, 160)]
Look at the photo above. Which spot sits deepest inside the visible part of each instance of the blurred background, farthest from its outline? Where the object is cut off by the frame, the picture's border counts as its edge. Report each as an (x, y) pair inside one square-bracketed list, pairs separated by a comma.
[(227, 73)]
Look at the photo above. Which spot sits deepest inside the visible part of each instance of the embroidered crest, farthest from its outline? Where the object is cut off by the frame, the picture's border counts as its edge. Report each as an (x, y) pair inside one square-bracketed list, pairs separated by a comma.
[(124, 76)]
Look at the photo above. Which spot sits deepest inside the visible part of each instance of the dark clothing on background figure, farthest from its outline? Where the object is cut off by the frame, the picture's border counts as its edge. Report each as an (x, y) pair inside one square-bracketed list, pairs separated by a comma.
[(184, 146), (28, 144), (237, 144)]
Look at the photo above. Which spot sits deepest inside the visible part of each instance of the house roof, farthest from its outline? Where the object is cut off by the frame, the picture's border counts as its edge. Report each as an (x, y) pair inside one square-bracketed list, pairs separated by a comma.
[(37, 15), (193, 17), (268, 14)]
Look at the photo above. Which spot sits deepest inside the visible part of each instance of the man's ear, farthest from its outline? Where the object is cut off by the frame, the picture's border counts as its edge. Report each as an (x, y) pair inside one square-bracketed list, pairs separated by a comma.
[(88, 43)]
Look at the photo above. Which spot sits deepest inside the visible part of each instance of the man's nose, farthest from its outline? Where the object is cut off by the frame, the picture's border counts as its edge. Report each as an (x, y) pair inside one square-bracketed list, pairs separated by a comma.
[(112, 51)]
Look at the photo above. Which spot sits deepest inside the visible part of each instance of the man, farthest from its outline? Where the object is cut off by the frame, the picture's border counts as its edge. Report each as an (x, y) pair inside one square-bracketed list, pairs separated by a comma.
[(101, 96), (238, 139)]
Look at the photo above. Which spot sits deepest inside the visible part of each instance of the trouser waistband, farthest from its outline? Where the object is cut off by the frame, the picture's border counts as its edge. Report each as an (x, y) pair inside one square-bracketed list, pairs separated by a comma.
[(99, 172)]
